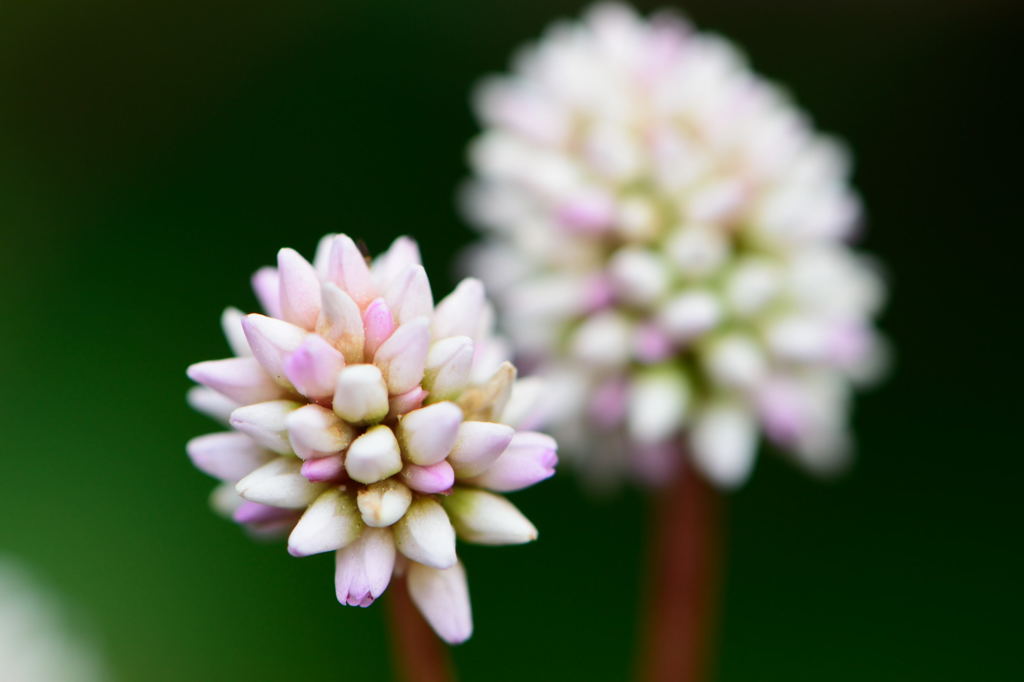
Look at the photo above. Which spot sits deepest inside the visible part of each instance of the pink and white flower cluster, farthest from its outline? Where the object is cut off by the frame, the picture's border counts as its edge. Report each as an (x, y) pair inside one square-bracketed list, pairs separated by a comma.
[(667, 238), (369, 422)]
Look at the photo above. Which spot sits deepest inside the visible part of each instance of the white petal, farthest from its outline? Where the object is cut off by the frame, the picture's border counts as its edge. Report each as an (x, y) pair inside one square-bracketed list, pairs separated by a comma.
[(448, 368), (487, 519), (478, 445), (658, 402), (428, 434), (231, 323), (228, 456), (373, 456), (331, 522), (442, 597), (425, 534), (280, 483), (300, 289), (690, 314), (265, 423), (409, 295), (383, 503), (723, 442), (403, 357), (347, 268), (211, 403), (315, 431), (458, 313), (361, 396), (242, 380), (341, 323)]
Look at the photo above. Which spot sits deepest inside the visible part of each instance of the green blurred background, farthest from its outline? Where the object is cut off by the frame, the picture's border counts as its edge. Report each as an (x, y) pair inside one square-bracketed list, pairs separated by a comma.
[(153, 154)]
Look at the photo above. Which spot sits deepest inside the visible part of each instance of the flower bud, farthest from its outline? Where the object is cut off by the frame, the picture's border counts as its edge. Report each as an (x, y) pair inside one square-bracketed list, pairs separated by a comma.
[(383, 503), (373, 456), (425, 534), (360, 395), (330, 522), (487, 519)]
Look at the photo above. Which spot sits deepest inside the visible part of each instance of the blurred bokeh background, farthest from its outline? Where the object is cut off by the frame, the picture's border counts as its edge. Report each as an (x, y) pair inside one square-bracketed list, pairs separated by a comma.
[(153, 154)]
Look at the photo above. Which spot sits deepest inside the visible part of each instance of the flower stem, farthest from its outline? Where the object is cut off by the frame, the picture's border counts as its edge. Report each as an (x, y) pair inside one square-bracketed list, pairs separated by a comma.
[(419, 655), (685, 560)]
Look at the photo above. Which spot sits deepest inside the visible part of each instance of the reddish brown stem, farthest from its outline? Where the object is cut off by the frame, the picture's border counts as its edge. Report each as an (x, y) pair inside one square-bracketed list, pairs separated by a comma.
[(418, 653), (685, 560)]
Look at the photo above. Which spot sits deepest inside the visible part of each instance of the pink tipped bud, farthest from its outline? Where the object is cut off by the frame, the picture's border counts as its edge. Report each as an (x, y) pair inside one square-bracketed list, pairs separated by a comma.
[(379, 324), (478, 445), (529, 458), (266, 283), (243, 380), (313, 368), (227, 456), (271, 340), (326, 469), (363, 569), (435, 478)]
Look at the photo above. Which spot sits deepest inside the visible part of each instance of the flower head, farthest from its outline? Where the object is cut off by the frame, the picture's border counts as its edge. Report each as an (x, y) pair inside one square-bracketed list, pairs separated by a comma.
[(369, 422), (668, 240)]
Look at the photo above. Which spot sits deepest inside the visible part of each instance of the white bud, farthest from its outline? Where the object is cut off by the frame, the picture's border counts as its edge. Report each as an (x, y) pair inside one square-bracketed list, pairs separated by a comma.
[(638, 275), (428, 434), (449, 364), (280, 483), (487, 519), (373, 456), (658, 402), (361, 396), (383, 503), (425, 534), (330, 523), (266, 423), (689, 315)]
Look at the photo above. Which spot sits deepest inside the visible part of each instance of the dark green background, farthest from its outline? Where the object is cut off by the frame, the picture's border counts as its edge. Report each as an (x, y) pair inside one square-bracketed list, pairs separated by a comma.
[(153, 154)]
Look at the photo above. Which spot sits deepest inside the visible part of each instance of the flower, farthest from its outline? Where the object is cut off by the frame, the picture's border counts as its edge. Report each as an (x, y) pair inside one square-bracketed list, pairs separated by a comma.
[(369, 422), (667, 238), (35, 643)]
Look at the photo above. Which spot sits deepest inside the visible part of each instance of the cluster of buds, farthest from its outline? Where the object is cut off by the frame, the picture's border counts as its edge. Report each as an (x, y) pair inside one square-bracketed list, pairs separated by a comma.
[(372, 423), (667, 239)]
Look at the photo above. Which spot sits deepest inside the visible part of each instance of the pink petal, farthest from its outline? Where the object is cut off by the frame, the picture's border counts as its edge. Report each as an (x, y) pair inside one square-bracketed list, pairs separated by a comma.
[(228, 456), (363, 569), (478, 445), (379, 325), (529, 458), (300, 289), (442, 596), (324, 468), (436, 478), (240, 379), (313, 368), (270, 340), (409, 295), (267, 285), (347, 268), (403, 357), (256, 513)]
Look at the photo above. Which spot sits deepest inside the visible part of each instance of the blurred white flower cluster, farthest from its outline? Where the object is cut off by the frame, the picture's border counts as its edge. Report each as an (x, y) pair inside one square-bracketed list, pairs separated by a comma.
[(371, 423), (36, 644), (667, 239)]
